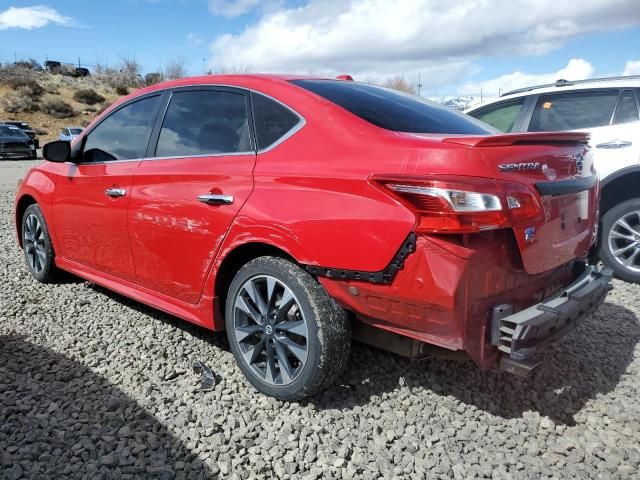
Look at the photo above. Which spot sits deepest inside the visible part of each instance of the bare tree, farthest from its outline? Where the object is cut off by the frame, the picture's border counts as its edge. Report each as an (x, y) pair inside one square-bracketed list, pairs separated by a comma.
[(130, 71), (175, 69), (232, 68), (399, 83)]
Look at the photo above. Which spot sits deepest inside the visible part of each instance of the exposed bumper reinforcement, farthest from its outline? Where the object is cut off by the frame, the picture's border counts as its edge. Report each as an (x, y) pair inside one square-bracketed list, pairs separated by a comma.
[(520, 335)]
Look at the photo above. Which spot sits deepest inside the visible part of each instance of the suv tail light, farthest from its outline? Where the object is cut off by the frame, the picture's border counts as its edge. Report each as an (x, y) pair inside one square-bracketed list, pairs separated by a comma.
[(463, 205)]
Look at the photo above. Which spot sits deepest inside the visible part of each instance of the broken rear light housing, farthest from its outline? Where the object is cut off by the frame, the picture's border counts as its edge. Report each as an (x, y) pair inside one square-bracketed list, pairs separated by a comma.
[(463, 204)]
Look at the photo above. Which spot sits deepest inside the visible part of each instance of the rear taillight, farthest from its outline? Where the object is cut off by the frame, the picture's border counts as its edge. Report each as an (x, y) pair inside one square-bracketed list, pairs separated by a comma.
[(463, 205)]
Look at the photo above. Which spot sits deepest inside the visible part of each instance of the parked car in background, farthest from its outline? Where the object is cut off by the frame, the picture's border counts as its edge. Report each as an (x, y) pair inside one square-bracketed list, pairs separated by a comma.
[(24, 126), (69, 133), (14, 143), (606, 108), (237, 205)]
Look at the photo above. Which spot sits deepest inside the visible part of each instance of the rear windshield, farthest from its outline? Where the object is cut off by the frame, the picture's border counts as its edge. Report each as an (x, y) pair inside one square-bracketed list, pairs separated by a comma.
[(393, 110)]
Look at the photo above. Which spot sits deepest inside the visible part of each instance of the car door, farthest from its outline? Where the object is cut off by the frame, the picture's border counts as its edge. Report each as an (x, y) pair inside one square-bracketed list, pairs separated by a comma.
[(186, 195), (91, 198), (609, 115), (618, 145)]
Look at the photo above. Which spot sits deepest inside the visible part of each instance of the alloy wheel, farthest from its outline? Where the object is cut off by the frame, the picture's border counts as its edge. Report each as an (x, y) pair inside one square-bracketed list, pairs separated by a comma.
[(624, 241), (270, 330), (34, 245)]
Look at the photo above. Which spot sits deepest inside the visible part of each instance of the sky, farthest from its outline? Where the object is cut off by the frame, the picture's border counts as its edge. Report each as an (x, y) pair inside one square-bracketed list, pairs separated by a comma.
[(460, 47)]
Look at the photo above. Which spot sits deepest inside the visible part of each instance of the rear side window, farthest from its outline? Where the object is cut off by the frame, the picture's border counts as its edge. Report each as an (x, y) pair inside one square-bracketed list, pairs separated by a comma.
[(273, 120), (124, 134), (393, 110), (502, 116), (626, 111), (204, 122), (573, 111)]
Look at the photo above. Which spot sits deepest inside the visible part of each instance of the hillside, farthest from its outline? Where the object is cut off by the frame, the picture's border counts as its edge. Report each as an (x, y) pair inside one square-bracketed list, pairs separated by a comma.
[(49, 102)]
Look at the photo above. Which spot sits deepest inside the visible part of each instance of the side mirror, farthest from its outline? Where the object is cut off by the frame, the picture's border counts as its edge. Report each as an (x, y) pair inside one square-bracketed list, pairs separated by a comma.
[(58, 151)]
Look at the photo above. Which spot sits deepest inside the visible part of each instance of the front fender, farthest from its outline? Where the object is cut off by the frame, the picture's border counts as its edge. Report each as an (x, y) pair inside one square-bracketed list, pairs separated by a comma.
[(37, 187)]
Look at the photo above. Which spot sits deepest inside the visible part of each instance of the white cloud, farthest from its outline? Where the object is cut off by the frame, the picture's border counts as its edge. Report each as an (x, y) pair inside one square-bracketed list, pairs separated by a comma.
[(384, 37), (32, 17), (576, 69), (632, 67)]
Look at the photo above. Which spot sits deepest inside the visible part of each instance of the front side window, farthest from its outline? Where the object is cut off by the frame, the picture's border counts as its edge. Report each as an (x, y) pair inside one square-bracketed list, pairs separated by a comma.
[(123, 135), (573, 111), (502, 116), (626, 111), (393, 110), (205, 122), (273, 120)]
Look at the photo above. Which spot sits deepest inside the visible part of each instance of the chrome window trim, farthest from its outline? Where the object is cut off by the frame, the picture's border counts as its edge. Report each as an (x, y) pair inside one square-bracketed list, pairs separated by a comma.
[(202, 155), (107, 162)]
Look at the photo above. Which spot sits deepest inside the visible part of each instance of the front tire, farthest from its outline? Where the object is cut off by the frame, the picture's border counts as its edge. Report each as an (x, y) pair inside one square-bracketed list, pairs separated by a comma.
[(37, 246), (620, 241), (288, 336)]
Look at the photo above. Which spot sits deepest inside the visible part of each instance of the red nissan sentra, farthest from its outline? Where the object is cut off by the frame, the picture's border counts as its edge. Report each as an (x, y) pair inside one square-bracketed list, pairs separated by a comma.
[(296, 213)]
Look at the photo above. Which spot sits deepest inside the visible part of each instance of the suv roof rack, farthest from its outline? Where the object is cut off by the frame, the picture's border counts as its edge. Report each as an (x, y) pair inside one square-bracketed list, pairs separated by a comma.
[(563, 83)]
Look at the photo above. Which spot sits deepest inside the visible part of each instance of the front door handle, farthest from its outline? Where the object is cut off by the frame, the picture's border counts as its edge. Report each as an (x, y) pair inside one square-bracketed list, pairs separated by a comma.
[(115, 192), (614, 144), (212, 199)]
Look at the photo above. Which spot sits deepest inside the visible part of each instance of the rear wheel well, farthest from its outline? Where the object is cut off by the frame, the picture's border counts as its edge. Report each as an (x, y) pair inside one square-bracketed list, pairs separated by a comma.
[(236, 259), (619, 190), (21, 207)]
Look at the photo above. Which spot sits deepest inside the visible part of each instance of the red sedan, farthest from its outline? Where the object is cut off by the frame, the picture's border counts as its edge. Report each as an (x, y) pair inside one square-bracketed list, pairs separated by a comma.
[(295, 213)]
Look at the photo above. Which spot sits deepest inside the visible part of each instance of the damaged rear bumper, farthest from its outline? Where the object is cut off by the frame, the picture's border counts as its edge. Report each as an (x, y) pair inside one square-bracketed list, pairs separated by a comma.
[(519, 336)]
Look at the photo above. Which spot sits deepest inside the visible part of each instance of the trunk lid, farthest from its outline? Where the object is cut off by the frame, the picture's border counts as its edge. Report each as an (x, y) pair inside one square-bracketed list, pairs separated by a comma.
[(558, 168)]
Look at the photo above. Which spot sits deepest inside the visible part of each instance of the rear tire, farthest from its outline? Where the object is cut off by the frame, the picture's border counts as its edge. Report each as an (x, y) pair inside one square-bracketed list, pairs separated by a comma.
[(289, 338), (37, 246), (620, 240)]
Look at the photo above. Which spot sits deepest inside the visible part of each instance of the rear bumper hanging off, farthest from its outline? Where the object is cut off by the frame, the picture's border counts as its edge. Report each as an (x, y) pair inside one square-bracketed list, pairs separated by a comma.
[(520, 335)]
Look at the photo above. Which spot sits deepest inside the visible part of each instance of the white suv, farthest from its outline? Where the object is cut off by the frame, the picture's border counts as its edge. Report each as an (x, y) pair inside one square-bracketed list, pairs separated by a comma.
[(608, 109)]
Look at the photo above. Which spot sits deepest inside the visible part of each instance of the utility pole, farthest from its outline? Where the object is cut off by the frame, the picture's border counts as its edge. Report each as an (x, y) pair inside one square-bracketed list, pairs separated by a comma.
[(480, 95), (419, 84), (79, 62)]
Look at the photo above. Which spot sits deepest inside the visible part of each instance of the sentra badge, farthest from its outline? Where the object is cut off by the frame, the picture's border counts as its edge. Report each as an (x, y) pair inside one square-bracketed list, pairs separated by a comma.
[(518, 167)]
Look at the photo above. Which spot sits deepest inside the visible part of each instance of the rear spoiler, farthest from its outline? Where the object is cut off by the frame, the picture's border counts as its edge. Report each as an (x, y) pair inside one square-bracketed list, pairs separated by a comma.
[(520, 139)]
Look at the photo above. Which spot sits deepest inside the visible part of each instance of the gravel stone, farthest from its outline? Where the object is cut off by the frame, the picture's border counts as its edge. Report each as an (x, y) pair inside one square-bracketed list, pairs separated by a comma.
[(93, 385)]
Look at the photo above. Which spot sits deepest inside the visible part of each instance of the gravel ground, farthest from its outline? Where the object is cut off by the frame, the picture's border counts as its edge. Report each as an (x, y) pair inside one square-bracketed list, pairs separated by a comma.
[(94, 385)]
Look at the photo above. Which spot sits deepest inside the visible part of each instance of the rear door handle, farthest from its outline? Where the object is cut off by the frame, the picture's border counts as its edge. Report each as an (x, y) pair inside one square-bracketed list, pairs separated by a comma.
[(212, 199), (614, 144), (115, 192)]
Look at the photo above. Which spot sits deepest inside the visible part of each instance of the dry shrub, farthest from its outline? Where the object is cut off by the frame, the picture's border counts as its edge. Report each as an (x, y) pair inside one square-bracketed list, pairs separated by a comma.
[(122, 89), (153, 78), (88, 96), (27, 85), (20, 102), (399, 83), (58, 109)]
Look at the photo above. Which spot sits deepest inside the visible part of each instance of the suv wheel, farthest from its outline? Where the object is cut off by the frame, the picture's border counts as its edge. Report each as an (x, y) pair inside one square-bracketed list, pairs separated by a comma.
[(36, 242), (620, 245), (288, 336)]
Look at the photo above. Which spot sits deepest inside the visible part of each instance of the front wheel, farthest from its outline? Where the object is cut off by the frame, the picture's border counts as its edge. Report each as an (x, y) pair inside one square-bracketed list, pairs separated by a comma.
[(37, 246), (620, 241), (288, 336)]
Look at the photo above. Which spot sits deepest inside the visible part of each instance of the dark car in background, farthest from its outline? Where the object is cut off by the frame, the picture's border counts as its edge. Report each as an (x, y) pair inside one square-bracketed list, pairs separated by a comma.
[(14, 143), (24, 126)]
